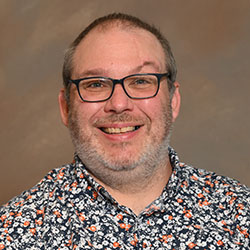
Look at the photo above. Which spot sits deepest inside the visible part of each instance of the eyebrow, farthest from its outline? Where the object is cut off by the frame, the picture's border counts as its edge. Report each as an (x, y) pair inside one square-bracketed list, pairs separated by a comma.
[(93, 72), (103, 72)]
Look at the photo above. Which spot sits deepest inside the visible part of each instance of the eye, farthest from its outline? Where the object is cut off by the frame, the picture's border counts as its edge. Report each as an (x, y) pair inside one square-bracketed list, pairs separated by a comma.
[(94, 85), (140, 82)]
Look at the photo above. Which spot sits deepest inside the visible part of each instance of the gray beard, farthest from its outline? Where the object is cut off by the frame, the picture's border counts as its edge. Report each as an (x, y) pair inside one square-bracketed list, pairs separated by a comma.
[(118, 175)]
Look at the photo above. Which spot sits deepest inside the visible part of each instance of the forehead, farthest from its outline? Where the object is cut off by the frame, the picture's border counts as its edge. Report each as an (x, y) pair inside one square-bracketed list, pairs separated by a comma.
[(117, 49)]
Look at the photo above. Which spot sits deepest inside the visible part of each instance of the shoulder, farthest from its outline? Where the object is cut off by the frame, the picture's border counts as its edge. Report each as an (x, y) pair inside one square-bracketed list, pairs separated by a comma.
[(209, 182), (42, 190), (218, 201), (24, 213), (213, 184)]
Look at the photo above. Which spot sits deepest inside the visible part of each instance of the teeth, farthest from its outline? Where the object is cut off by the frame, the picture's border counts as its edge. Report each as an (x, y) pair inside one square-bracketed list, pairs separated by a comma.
[(119, 130)]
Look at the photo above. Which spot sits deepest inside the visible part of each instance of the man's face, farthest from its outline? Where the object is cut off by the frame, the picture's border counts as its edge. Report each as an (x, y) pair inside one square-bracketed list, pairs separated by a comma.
[(120, 136)]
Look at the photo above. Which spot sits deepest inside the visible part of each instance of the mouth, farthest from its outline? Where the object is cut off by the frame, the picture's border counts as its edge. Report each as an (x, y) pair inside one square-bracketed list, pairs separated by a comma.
[(119, 130)]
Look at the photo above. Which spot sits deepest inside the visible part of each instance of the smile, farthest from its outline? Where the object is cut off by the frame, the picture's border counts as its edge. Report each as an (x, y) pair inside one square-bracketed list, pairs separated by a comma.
[(119, 130)]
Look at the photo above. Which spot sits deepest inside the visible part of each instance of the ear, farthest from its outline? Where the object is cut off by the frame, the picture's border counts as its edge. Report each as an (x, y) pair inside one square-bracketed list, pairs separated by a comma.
[(64, 109), (176, 101)]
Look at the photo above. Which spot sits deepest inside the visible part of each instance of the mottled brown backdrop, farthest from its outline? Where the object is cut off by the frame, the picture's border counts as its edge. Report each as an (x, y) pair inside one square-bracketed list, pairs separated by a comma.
[(211, 42)]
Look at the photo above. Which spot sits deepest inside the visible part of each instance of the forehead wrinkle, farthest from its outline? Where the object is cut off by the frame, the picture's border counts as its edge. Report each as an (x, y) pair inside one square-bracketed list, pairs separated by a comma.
[(92, 72), (148, 63), (104, 72)]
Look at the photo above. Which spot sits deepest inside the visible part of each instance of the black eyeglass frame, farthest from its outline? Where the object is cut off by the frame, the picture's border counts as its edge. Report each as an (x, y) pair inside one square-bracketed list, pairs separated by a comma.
[(120, 81)]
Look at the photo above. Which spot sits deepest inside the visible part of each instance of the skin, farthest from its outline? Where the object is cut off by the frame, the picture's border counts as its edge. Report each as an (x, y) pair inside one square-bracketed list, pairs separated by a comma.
[(132, 166)]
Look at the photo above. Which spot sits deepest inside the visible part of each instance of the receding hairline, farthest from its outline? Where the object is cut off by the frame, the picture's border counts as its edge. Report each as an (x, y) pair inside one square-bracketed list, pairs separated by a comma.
[(119, 28), (105, 26), (117, 23), (114, 24)]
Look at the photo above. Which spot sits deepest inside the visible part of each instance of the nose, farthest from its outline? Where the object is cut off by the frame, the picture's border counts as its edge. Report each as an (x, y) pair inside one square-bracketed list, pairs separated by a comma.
[(119, 101)]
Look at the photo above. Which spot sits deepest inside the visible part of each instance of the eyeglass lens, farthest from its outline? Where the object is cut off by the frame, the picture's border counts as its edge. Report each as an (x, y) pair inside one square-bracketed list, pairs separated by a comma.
[(139, 86)]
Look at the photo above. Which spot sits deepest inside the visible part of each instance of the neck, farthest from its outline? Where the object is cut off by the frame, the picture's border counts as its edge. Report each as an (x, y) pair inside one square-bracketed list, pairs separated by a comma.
[(137, 195)]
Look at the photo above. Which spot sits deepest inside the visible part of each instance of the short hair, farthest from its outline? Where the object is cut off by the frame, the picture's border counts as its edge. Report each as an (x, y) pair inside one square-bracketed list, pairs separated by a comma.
[(124, 21)]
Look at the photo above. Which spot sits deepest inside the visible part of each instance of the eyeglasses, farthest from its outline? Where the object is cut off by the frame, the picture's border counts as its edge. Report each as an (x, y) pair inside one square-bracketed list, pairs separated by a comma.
[(137, 86)]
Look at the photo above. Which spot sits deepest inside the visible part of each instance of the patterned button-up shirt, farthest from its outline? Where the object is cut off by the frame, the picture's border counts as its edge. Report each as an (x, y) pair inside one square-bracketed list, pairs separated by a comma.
[(68, 209)]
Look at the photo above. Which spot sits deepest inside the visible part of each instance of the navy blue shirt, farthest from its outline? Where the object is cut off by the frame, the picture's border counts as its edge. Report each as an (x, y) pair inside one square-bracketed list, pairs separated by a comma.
[(68, 209)]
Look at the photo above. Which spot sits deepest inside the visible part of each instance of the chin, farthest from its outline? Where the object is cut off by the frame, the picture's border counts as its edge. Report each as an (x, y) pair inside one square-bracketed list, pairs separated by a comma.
[(120, 163)]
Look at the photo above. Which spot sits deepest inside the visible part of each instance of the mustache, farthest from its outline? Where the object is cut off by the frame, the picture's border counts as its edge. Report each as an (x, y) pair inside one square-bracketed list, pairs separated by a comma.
[(116, 118)]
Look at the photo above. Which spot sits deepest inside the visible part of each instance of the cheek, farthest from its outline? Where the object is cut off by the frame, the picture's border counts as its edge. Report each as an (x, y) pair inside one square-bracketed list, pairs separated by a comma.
[(154, 108), (87, 112)]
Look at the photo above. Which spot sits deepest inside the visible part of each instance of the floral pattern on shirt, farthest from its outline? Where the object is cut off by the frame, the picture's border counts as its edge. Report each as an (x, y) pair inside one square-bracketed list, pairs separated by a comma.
[(68, 209)]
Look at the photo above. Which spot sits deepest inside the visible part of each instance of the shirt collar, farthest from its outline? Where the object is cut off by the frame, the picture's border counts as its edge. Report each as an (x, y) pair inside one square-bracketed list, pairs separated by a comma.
[(82, 173), (160, 204), (170, 190)]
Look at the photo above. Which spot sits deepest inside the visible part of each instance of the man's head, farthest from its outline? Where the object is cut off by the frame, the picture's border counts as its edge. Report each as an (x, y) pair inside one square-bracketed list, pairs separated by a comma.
[(123, 21), (120, 140)]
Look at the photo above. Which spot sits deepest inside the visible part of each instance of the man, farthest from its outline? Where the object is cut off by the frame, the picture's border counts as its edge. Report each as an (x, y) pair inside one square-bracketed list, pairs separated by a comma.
[(126, 188)]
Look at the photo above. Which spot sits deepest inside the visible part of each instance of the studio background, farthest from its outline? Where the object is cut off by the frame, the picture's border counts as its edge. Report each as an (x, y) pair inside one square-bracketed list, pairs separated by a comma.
[(210, 40)]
